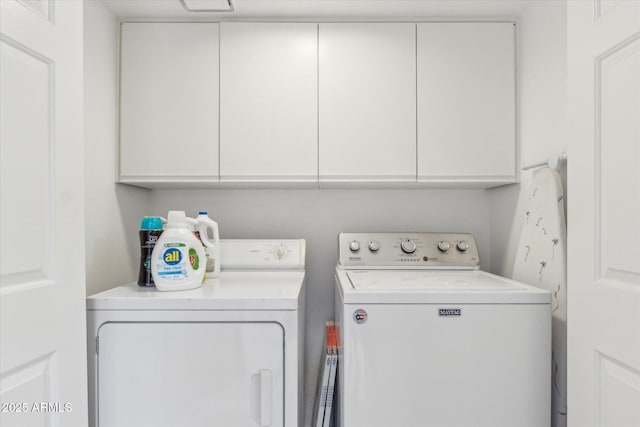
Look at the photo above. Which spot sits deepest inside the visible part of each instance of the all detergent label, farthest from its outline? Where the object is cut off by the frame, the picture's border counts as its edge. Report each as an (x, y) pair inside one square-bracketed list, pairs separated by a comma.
[(172, 256), (176, 261)]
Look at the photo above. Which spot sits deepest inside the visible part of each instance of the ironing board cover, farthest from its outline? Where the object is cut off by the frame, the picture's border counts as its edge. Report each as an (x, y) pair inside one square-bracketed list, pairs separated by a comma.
[(541, 261)]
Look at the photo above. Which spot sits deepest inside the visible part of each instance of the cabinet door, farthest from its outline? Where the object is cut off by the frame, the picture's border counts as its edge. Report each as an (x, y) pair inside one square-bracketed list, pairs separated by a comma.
[(466, 102), (169, 102), (269, 102), (367, 102), (190, 374)]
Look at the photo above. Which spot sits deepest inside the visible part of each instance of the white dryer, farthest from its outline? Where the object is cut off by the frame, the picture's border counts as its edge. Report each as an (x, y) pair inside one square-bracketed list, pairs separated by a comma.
[(427, 339), (227, 354)]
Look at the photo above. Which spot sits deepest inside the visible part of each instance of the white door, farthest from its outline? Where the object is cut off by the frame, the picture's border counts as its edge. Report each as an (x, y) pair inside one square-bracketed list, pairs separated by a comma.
[(604, 213), (190, 374), (42, 286)]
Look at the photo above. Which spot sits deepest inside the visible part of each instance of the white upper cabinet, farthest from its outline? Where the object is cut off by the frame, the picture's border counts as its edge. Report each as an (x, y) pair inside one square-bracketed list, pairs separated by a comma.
[(367, 102), (269, 102), (169, 102), (258, 102), (466, 103)]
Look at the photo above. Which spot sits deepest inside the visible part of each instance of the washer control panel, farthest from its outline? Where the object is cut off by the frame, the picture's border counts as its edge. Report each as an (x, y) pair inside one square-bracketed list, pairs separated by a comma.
[(408, 250)]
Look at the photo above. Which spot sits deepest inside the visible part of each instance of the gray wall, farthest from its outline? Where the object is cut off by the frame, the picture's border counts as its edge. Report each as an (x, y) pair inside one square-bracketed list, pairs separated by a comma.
[(543, 133), (318, 215), (542, 112), (112, 211)]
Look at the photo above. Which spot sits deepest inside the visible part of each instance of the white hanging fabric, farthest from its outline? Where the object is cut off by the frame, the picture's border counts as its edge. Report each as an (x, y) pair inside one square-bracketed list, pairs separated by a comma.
[(541, 262)]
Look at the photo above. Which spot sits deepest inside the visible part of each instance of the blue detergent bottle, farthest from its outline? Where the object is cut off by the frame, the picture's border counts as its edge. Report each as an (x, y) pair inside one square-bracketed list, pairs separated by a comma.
[(150, 232)]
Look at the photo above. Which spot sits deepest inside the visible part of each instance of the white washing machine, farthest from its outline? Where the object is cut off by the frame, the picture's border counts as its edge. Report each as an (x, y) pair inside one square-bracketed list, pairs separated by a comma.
[(227, 354), (427, 339)]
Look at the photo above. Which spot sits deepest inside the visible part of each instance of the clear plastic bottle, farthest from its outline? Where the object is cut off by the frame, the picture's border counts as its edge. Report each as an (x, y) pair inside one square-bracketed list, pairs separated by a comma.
[(212, 246)]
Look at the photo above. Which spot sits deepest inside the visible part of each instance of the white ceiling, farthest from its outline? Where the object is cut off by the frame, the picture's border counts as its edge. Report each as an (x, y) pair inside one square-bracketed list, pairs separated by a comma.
[(324, 9)]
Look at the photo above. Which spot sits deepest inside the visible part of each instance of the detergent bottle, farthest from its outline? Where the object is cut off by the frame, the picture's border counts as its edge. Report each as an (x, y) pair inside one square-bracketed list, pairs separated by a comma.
[(178, 260), (212, 246), (150, 231)]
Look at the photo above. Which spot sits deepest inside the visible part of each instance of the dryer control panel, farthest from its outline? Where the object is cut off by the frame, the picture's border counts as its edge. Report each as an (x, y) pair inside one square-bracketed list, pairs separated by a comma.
[(262, 254), (408, 251)]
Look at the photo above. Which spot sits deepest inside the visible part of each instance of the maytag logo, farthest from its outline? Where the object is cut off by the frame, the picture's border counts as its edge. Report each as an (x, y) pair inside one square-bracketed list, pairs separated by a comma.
[(450, 312)]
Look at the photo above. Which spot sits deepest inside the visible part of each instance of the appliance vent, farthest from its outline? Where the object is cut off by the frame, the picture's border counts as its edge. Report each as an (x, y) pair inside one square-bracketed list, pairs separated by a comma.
[(207, 5)]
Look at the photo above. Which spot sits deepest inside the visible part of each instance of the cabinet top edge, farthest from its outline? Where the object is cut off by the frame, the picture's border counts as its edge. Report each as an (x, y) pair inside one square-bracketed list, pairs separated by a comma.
[(430, 20)]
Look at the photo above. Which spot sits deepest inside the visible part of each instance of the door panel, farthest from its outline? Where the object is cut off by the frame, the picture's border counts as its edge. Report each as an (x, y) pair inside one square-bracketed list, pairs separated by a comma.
[(42, 278), (28, 385), (618, 391), (41, 7), (26, 205), (618, 150), (603, 208), (191, 374)]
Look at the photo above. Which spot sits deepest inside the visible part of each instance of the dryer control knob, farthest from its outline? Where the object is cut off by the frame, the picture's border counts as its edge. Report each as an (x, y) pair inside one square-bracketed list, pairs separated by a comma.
[(374, 246), (443, 245), (463, 245), (354, 246), (280, 251), (408, 246)]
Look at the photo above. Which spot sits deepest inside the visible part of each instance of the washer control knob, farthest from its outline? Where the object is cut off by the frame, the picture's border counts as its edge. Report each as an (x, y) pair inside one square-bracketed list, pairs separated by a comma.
[(443, 246), (374, 245), (463, 245), (408, 246), (354, 246)]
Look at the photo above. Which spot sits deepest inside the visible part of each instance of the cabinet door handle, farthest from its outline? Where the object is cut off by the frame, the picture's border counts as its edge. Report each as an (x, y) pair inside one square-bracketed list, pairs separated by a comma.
[(266, 397)]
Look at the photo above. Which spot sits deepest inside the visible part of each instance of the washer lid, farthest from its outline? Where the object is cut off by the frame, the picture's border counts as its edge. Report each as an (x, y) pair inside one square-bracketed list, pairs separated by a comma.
[(248, 290), (436, 286), (432, 280)]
